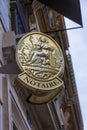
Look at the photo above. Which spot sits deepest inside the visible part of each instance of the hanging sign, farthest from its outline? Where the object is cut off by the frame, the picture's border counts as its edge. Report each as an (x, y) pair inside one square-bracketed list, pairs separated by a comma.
[(41, 62)]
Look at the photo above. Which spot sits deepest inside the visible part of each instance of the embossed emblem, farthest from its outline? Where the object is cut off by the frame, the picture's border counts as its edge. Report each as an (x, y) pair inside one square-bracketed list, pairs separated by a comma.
[(41, 61)]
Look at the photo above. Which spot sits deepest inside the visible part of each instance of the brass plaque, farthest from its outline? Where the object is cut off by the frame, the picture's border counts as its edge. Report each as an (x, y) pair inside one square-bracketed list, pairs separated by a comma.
[(41, 61), (34, 99)]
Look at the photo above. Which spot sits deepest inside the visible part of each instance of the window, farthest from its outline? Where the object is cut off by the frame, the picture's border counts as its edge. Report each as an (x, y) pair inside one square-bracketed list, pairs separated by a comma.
[(32, 22), (51, 19), (18, 20), (14, 126), (41, 20), (29, 120)]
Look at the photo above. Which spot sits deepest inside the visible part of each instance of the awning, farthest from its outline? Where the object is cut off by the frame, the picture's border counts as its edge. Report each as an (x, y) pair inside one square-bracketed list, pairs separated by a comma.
[(68, 8)]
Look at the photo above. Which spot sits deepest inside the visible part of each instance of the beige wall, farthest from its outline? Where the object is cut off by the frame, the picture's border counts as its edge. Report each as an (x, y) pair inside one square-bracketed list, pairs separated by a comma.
[(10, 108)]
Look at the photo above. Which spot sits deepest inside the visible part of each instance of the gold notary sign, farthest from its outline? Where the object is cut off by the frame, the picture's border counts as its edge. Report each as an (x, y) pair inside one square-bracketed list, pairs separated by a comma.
[(41, 62)]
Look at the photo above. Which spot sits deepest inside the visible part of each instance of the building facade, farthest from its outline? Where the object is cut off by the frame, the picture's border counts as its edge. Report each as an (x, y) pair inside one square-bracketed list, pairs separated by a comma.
[(18, 17)]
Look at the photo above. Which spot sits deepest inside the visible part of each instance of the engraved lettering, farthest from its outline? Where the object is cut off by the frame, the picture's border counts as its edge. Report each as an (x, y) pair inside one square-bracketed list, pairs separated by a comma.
[(55, 82), (47, 85), (27, 79), (38, 84), (51, 84), (43, 86), (32, 82)]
